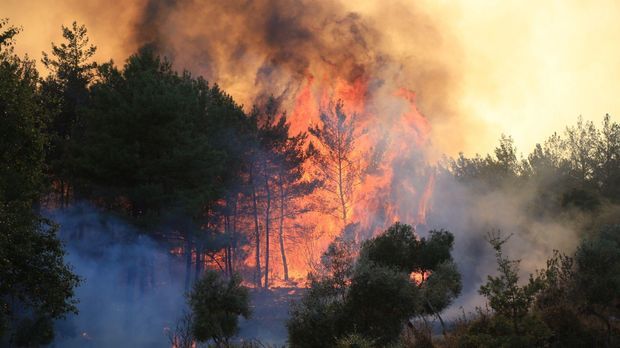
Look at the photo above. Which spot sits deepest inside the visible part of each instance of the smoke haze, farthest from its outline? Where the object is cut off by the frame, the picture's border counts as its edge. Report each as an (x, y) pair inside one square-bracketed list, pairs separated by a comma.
[(132, 291), (480, 69)]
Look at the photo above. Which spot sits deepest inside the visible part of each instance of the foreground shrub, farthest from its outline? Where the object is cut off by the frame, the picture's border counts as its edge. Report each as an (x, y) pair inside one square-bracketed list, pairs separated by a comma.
[(397, 276), (216, 305)]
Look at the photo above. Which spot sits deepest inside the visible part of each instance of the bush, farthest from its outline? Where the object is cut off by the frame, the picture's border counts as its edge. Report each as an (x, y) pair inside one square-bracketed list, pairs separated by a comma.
[(376, 295), (216, 305), (355, 341)]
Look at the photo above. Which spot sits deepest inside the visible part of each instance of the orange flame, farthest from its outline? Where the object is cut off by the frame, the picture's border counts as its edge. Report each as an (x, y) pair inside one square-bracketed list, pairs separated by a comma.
[(384, 195)]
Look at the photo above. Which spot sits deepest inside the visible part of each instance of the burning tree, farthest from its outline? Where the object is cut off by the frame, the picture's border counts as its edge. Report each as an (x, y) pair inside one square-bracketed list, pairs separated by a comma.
[(292, 186), (267, 134), (334, 160), (276, 179)]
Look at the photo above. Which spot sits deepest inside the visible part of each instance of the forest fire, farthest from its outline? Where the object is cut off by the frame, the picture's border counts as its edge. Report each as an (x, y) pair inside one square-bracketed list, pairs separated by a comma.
[(285, 172), (391, 180), (387, 178)]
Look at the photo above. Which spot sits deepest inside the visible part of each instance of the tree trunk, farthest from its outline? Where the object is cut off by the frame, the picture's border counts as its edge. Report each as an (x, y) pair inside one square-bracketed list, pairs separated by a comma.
[(281, 229), (62, 193), (267, 218), (234, 238), (199, 263), (443, 325), (188, 258), (340, 183), (227, 250), (257, 275)]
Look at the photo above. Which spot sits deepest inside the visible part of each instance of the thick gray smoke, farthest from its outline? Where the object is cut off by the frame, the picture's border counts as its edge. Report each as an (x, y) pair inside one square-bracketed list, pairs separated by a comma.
[(257, 48)]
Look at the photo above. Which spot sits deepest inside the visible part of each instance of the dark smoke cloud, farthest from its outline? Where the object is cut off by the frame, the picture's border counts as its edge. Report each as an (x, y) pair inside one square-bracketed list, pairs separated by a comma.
[(257, 48)]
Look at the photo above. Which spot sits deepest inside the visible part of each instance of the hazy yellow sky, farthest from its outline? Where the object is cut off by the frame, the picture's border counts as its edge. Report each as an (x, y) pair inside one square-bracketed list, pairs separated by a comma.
[(531, 67), (524, 68)]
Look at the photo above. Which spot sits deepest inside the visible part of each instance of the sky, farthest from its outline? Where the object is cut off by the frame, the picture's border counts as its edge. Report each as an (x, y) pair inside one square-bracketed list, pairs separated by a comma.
[(521, 68)]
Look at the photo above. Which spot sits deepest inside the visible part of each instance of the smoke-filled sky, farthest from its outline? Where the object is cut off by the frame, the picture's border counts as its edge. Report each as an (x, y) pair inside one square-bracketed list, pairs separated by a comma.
[(479, 68)]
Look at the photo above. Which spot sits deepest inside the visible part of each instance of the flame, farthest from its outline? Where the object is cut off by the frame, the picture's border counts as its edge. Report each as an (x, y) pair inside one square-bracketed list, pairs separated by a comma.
[(419, 277), (387, 193)]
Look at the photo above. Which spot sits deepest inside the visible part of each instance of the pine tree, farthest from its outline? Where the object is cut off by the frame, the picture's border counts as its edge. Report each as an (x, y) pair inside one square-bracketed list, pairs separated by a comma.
[(65, 92), (36, 286)]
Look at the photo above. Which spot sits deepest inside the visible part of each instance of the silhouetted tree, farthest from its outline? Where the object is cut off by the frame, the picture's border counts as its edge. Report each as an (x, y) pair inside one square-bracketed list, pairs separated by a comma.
[(36, 286), (607, 171), (216, 305), (376, 295), (65, 92)]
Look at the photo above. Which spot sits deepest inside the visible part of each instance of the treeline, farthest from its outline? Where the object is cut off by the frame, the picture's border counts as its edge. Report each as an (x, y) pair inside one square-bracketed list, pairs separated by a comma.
[(577, 169), (176, 155)]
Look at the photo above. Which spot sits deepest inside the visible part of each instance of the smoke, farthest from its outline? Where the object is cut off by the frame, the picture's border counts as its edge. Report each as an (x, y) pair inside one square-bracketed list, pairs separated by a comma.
[(132, 286), (255, 49), (471, 214), (132, 291), (479, 68)]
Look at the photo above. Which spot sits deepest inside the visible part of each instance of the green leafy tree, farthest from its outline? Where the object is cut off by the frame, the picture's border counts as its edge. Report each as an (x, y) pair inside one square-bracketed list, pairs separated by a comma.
[(317, 319), (597, 277), (36, 285), (380, 299), (216, 305), (511, 323), (503, 292), (557, 304), (430, 258)]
